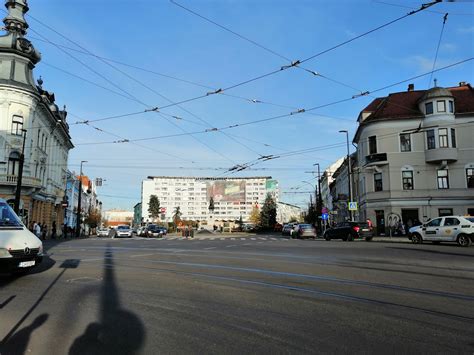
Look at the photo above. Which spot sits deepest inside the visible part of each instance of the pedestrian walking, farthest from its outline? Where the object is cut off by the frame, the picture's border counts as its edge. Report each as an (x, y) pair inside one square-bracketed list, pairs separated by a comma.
[(44, 231), (37, 229), (53, 231)]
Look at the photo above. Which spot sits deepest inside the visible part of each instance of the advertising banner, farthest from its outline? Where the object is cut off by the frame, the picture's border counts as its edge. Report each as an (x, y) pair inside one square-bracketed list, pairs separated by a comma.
[(226, 191)]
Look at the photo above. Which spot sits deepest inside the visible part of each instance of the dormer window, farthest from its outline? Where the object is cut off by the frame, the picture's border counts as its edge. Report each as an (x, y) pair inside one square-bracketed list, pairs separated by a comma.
[(428, 108), (451, 106), (441, 106)]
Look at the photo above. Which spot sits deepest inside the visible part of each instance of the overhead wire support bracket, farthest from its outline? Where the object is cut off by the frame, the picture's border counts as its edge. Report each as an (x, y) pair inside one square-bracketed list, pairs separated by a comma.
[(424, 6), (365, 93), (293, 64), (301, 110), (218, 91), (214, 129), (154, 109)]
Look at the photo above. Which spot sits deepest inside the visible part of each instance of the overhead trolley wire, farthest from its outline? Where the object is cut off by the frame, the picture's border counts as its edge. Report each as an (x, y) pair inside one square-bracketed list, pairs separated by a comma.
[(445, 18)]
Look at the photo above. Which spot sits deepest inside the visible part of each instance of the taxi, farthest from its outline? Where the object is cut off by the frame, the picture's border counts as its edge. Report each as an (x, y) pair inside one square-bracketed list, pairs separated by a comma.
[(457, 229)]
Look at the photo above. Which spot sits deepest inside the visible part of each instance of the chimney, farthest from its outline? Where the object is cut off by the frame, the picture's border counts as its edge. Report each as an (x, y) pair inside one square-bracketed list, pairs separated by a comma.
[(411, 87), (462, 83)]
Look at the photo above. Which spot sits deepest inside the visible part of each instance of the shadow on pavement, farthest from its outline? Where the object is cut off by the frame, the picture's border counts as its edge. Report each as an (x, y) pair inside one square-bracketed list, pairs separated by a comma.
[(119, 331), (8, 278), (15, 342), (18, 343), (433, 252)]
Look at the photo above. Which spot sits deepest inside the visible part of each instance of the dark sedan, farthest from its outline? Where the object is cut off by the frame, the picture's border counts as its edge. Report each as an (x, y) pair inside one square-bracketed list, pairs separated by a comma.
[(348, 231)]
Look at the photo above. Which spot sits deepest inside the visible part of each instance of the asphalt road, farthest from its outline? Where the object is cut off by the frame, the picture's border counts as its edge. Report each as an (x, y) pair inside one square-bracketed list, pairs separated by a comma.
[(253, 294)]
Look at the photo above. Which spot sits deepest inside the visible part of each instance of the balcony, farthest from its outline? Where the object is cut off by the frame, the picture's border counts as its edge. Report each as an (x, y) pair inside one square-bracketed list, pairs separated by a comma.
[(26, 181), (376, 159), (441, 154)]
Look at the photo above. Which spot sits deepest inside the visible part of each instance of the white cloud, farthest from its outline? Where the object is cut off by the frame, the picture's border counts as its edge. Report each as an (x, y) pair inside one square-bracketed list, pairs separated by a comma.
[(466, 29), (449, 47), (425, 64)]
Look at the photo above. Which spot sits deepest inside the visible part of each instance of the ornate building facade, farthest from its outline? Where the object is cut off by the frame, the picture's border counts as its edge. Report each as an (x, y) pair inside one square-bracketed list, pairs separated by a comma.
[(30, 122)]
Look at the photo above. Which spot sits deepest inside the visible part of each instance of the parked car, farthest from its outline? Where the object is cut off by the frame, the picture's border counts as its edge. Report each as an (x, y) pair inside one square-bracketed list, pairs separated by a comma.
[(154, 230), (122, 231), (304, 231), (248, 227), (140, 231), (456, 229), (103, 232), (348, 231), (278, 227), (288, 229), (20, 250)]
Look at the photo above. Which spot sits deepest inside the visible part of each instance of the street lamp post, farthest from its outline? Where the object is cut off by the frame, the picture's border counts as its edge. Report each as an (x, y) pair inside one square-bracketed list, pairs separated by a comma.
[(78, 216), (349, 171), (19, 178), (319, 203)]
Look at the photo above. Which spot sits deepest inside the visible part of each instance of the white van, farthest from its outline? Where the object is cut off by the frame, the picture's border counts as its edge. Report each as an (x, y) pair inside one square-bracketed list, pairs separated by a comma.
[(20, 250)]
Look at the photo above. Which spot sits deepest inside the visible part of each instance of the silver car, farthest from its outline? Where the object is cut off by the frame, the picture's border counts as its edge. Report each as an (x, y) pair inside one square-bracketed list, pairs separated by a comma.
[(122, 231)]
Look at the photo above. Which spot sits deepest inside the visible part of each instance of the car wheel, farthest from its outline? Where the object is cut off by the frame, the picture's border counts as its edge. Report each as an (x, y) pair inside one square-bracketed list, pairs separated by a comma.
[(416, 239), (435, 242), (464, 240)]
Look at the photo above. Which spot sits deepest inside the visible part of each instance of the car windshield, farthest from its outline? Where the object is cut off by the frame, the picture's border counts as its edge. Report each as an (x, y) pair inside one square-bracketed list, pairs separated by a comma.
[(123, 227), (8, 218), (305, 226)]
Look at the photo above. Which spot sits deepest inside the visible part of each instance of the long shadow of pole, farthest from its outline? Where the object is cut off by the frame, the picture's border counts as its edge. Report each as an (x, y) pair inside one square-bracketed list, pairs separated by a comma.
[(71, 263), (119, 331)]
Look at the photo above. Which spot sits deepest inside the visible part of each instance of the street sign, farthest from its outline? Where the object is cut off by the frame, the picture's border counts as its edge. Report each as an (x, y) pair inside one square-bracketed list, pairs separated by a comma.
[(352, 206), (325, 216), (163, 209)]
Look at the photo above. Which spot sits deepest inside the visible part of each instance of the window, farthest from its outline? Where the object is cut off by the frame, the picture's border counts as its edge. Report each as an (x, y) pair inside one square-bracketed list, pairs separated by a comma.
[(470, 178), (428, 108), (407, 179), (434, 222), (405, 142), (451, 221), (451, 106), (445, 212), (17, 125), (441, 106), (372, 144), (378, 186), (443, 180), (430, 139), (443, 137), (13, 163), (453, 138)]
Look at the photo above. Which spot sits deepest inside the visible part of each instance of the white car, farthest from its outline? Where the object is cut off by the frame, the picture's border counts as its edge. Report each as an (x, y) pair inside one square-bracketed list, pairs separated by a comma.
[(445, 229), (103, 232), (20, 250), (122, 231)]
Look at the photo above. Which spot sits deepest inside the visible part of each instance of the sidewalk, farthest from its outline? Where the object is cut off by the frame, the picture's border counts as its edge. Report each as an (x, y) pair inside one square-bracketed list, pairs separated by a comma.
[(388, 239)]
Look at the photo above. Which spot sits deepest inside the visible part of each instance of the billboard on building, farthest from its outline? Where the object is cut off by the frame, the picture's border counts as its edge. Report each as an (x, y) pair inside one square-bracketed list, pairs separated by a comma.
[(226, 191)]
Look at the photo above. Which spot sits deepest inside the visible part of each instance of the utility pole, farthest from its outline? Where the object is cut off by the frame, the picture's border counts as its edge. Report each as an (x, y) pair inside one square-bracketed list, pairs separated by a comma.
[(349, 171), (19, 178), (319, 203), (78, 216)]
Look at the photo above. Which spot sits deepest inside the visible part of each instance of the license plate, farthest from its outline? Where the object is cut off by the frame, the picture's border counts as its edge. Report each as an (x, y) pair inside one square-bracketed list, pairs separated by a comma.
[(27, 263), (365, 230)]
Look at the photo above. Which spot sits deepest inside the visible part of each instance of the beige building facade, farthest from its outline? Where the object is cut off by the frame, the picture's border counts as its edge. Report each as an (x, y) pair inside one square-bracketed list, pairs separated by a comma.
[(416, 156)]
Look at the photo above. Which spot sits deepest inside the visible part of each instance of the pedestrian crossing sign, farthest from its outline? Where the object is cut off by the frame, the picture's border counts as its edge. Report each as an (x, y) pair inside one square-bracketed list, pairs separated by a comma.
[(352, 206)]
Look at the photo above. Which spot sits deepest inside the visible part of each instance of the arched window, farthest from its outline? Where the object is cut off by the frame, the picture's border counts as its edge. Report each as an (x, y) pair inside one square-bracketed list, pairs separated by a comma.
[(17, 125), (13, 163)]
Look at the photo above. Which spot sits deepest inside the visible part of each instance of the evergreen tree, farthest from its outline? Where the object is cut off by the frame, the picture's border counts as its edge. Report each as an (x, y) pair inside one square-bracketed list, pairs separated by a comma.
[(154, 207), (211, 204), (177, 215), (268, 213)]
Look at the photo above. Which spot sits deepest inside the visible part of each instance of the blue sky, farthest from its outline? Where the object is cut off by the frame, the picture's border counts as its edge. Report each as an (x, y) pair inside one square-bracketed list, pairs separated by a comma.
[(158, 36)]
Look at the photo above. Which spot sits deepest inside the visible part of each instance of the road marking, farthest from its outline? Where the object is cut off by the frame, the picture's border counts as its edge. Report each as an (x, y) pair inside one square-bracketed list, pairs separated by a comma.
[(273, 238), (222, 238), (212, 238), (136, 256), (230, 246), (253, 238), (262, 238), (232, 238), (210, 248), (243, 238)]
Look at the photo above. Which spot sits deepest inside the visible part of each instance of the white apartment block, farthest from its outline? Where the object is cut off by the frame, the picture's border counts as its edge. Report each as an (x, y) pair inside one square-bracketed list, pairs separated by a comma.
[(233, 197)]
